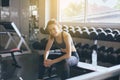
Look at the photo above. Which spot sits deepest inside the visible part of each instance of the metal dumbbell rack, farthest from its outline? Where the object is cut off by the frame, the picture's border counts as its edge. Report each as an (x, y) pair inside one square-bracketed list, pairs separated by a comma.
[(100, 72)]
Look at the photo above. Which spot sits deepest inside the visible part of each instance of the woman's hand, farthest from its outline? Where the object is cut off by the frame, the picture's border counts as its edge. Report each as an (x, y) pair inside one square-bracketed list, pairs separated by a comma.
[(63, 50), (48, 62)]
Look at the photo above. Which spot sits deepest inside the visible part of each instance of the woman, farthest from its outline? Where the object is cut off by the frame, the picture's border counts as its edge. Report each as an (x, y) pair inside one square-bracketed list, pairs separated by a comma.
[(63, 41)]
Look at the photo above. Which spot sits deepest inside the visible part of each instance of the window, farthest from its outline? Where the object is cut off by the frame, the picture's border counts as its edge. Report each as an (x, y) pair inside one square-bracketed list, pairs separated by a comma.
[(89, 10), (71, 10)]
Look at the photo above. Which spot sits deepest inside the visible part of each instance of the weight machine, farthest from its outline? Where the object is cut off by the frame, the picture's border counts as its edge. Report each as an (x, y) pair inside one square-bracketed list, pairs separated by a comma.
[(10, 29)]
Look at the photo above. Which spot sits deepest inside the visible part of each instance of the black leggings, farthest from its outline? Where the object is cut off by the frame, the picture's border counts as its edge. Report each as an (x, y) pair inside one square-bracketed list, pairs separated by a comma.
[(63, 67)]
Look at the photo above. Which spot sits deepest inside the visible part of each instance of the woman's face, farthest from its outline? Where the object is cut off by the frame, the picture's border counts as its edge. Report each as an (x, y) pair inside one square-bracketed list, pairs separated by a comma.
[(53, 30)]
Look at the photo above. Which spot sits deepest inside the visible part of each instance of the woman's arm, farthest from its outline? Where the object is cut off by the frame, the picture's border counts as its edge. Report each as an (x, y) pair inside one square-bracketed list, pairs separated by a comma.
[(48, 46), (67, 39)]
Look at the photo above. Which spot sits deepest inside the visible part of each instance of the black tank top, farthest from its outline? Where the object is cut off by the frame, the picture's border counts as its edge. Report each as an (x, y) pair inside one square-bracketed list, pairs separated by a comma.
[(63, 46), (60, 45)]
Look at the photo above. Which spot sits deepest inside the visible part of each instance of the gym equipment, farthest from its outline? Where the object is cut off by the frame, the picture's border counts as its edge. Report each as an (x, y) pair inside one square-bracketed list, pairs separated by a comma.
[(94, 47), (92, 29), (108, 58), (100, 53), (72, 31), (85, 34), (84, 28), (100, 75), (79, 50), (110, 37), (108, 30), (117, 52), (78, 33), (117, 37), (93, 35), (115, 31), (77, 28), (15, 63), (65, 28), (10, 28), (85, 51), (99, 30), (102, 35), (113, 56), (71, 27)]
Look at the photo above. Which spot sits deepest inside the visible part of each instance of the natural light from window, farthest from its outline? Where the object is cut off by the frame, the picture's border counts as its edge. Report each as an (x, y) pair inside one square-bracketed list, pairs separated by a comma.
[(92, 10)]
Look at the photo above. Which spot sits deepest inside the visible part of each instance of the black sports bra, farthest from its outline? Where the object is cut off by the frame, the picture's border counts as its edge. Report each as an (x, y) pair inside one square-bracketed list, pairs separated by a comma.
[(60, 45)]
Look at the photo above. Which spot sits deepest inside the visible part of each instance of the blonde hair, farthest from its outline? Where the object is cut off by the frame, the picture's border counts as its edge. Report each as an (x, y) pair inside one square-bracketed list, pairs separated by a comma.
[(53, 21)]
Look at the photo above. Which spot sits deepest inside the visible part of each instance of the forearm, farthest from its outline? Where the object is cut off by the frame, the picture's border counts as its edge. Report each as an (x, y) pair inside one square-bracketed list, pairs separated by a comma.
[(46, 53)]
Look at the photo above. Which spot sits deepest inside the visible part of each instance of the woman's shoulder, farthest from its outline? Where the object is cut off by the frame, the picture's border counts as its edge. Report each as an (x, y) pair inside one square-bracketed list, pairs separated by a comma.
[(66, 34)]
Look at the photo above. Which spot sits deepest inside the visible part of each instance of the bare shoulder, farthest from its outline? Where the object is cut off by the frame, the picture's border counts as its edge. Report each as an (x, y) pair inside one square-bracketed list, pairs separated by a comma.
[(66, 34)]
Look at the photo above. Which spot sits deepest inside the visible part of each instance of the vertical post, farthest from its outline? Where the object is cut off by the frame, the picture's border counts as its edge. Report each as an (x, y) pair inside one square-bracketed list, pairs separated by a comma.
[(85, 12), (94, 55)]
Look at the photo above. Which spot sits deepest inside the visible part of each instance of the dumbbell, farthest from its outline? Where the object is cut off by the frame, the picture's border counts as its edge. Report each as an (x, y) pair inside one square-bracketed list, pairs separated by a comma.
[(78, 45), (117, 38), (65, 28), (110, 50), (94, 47), (92, 29), (116, 31), (71, 27), (100, 53), (78, 33), (86, 51), (117, 51), (102, 35), (77, 28), (79, 49), (84, 28), (108, 30), (114, 57), (106, 54), (71, 31), (110, 37), (93, 35), (111, 55), (99, 30), (85, 34)]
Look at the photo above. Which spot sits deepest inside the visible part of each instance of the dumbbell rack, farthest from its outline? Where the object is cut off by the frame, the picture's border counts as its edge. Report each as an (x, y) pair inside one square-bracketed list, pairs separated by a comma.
[(100, 72)]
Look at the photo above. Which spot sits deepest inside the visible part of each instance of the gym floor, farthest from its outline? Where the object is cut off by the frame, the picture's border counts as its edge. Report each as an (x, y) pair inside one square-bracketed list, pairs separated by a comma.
[(29, 68)]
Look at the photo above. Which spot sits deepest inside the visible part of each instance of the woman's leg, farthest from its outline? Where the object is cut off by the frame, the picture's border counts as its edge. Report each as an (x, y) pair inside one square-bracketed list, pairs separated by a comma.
[(41, 68), (63, 67)]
